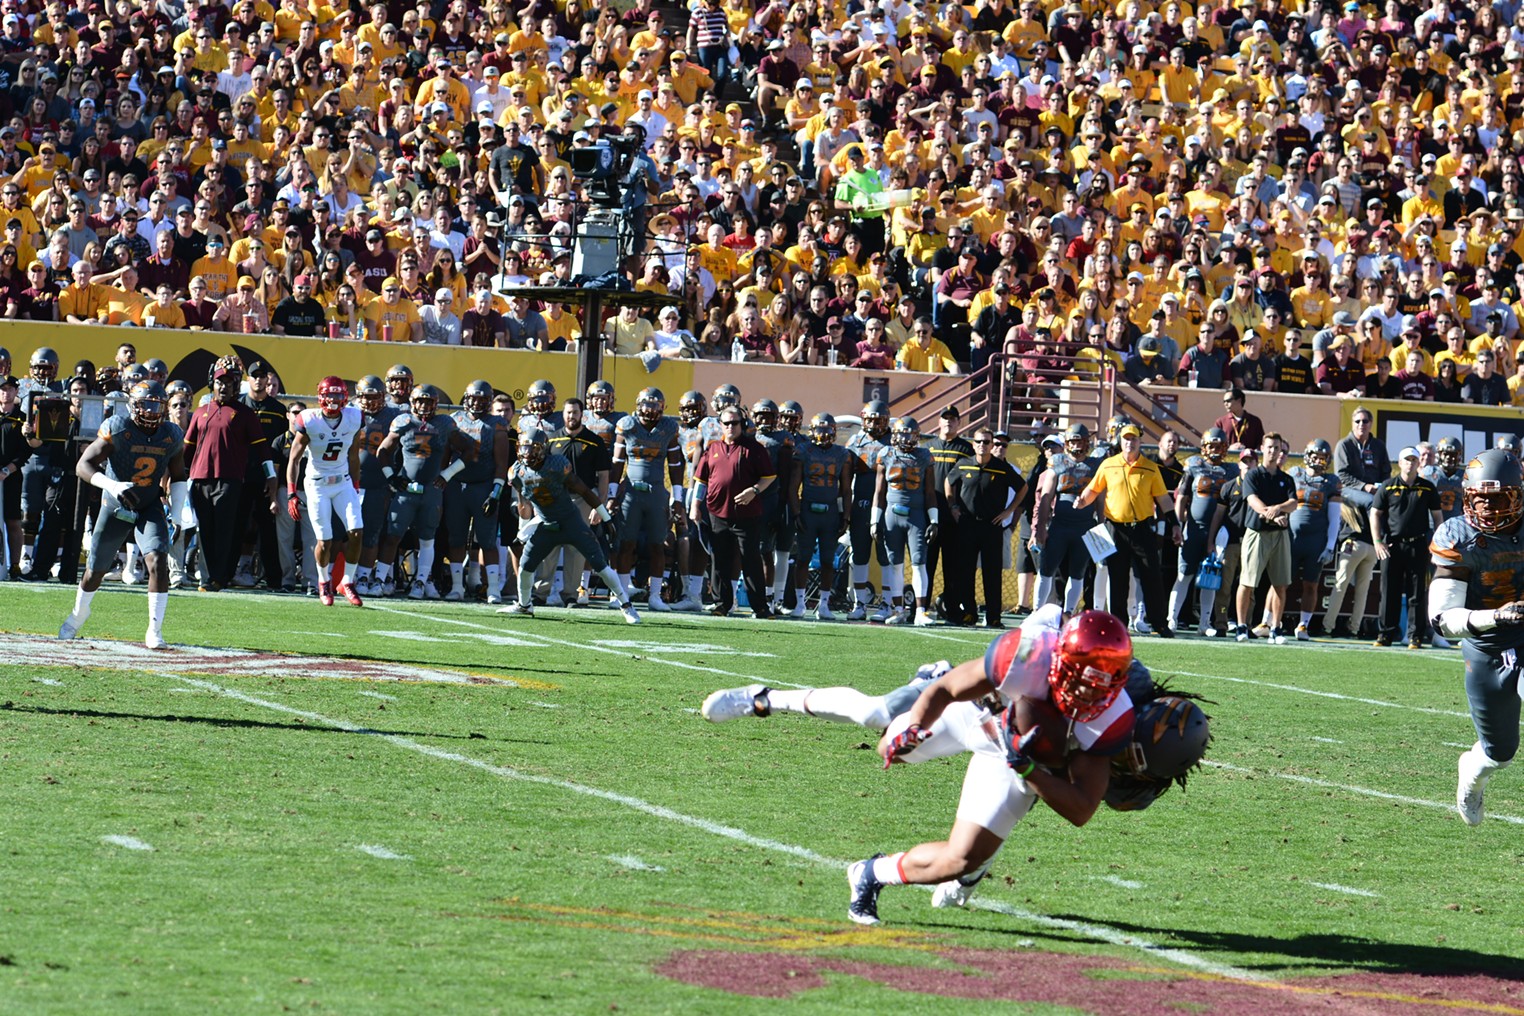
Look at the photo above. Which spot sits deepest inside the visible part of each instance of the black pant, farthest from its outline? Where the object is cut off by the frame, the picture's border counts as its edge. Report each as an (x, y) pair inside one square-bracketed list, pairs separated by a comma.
[(1406, 573), (256, 524), (216, 506), (948, 551), (1137, 552), (735, 539), (982, 542)]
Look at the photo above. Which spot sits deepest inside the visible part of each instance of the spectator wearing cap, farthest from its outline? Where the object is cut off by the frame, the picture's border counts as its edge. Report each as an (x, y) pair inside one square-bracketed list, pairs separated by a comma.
[(1404, 514), (299, 314), (1492, 303), (1253, 370), (242, 310), (215, 268), (1136, 501), (1342, 372), (993, 325), (1145, 364)]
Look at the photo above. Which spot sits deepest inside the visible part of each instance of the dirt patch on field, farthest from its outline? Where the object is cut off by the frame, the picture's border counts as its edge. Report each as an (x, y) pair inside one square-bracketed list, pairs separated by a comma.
[(1102, 985)]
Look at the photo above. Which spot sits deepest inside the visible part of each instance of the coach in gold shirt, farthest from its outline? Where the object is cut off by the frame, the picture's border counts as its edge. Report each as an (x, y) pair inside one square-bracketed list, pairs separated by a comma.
[(1136, 499)]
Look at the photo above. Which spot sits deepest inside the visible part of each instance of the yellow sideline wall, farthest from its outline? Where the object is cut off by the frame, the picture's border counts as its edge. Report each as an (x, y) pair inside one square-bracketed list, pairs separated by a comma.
[(300, 362)]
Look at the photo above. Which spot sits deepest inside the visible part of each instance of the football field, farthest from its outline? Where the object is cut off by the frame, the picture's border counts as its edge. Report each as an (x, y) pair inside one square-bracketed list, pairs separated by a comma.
[(431, 808)]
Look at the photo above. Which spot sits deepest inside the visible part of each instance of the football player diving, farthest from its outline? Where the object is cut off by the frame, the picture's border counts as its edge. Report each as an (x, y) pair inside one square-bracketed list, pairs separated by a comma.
[(1082, 674), (1475, 596)]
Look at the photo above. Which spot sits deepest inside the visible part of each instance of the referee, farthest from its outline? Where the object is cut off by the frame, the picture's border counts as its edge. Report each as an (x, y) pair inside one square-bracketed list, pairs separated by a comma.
[(1135, 490), (983, 493), (1404, 514)]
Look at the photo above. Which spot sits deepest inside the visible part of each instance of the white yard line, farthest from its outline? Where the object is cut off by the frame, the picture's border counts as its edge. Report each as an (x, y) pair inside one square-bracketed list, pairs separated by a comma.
[(49, 682), (1348, 789), (383, 853), (1335, 887), (1121, 883), (126, 842), (545, 705), (1166, 672), (380, 695), (1327, 740), (1097, 932)]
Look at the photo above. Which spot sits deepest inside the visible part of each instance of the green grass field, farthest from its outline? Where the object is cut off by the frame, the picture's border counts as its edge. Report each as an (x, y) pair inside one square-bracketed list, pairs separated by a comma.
[(538, 821)]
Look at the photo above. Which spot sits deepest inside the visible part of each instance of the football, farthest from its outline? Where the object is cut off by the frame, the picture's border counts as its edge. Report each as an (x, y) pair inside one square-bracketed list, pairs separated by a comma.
[(1051, 747)]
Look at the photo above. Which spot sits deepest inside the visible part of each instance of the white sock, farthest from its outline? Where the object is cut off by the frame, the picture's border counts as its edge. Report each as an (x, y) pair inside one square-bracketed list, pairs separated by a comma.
[(558, 580), (362, 573), (156, 604), (350, 571), (696, 587), (425, 560), (82, 604), (245, 561), (1177, 598), (780, 574), (1072, 593), (474, 573), (457, 574), (1306, 617), (1208, 602), (861, 594), (587, 579), (616, 585), (526, 587), (654, 585), (919, 581), (1044, 591), (325, 572), (624, 580), (887, 869), (800, 596), (494, 578), (859, 575), (839, 705), (383, 571)]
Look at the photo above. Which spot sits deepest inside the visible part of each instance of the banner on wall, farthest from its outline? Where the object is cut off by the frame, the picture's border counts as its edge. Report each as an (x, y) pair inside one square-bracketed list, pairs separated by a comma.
[(299, 363), (1401, 424)]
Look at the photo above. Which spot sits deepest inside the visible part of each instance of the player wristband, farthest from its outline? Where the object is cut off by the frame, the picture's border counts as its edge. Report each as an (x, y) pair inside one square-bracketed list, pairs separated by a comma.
[(453, 469), (269, 469), (387, 472), (604, 513), (497, 489), (932, 514), (613, 490), (677, 496), (116, 488), (877, 516)]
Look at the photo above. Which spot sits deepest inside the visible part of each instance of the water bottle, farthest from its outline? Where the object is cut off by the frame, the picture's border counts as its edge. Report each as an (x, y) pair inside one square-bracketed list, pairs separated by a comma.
[(737, 351), (415, 487), (832, 356), (1209, 575)]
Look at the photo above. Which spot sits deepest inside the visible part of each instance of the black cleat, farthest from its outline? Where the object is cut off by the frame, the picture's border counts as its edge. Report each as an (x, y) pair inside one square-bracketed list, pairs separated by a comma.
[(864, 906)]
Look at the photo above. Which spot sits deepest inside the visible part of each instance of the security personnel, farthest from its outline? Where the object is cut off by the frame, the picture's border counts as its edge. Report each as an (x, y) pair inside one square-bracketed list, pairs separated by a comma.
[(983, 493), (947, 451), (1134, 489), (1405, 512)]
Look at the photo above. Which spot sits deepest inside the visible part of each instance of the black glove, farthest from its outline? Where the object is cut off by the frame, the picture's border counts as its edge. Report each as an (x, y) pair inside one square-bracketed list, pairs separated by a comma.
[(1016, 751), (494, 502), (932, 532), (1510, 613), (398, 481)]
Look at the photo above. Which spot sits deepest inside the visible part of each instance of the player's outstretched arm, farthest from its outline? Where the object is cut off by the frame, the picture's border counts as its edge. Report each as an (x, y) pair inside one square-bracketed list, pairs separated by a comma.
[(964, 683), (1078, 793)]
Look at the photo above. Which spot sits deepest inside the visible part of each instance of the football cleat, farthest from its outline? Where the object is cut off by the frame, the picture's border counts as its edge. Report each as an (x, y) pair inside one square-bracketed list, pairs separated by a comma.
[(1440, 642), (416, 590), (734, 703), (953, 893), (154, 640), (863, 909), (901, 616), (430, 591), (923, 619), (1262, 631), (629, 612), (243, 578), (525, 609), (455, 595), (1475, 767), (349, 593), (798, 611), (1302, 634), (1141, 627), (823, 611), (583, 600), (882, 614), (493, 599), (1277, 637), (688, 603), (857, 613), (325, 593), (659, 605), (71, 626), (387, 588), (555, 600), (1241, 633)]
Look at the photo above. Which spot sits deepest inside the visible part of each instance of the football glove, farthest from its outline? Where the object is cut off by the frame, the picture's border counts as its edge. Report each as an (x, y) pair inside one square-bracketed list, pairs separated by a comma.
[(398, 480), (293, 506), (905, 742), (493, 503), (1016, 752), (1510, 613), (932, 532)]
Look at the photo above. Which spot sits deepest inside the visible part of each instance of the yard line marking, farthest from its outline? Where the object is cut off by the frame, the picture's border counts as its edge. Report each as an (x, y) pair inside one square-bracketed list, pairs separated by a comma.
[(1327, 740), (1346, 890), (126, 842), (184, 691), (1098, 932), (382, 852), (545, 705), (1320, 694), (632, 862), (1124, 883), (49, 682), (595, 648), (324, 634), (1362, 791), (379, 695), (1457, 744)]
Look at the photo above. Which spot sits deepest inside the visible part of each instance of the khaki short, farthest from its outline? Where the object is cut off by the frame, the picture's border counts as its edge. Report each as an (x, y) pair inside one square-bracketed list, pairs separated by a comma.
[(1266, 553)]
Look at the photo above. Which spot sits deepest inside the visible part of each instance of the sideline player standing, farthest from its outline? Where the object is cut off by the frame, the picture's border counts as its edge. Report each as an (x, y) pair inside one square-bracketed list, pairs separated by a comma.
[(820, 493), (866, 446), (472, 498), (642, 441), (1200, 514), (1475, 597), (330, 435), (544, 484), (128, 460), (375, 492)]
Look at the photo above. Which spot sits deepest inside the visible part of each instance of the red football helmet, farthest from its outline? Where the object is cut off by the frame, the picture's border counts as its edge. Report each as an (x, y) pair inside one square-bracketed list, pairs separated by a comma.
[(1089, 664), (332, 395)]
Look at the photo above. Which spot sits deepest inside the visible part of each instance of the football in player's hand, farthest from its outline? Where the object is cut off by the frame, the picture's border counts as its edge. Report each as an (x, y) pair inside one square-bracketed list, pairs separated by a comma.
[(1051, 746)]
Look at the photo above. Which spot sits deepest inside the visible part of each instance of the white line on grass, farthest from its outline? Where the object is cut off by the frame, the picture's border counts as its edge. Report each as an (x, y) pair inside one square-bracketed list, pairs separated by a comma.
[(1362, 791), (1327, 740), (1320, 694), (126, 842), (1457, 744), (1335, 887), (633, 863), (1099, 932), (1124, 883), (545, 705), (49, 682), (379, 695), (382, 852), (594, 648)]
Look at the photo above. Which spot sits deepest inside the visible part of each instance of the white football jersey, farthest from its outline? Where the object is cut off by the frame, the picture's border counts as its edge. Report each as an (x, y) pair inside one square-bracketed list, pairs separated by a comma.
[(328, 453)]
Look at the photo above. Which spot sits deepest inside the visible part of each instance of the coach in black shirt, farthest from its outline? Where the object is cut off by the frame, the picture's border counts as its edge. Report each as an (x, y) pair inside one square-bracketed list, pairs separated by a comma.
[(254, 523), (1271, 496), (299, 314), (983, 494), (947, 450), (1403, 518)]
